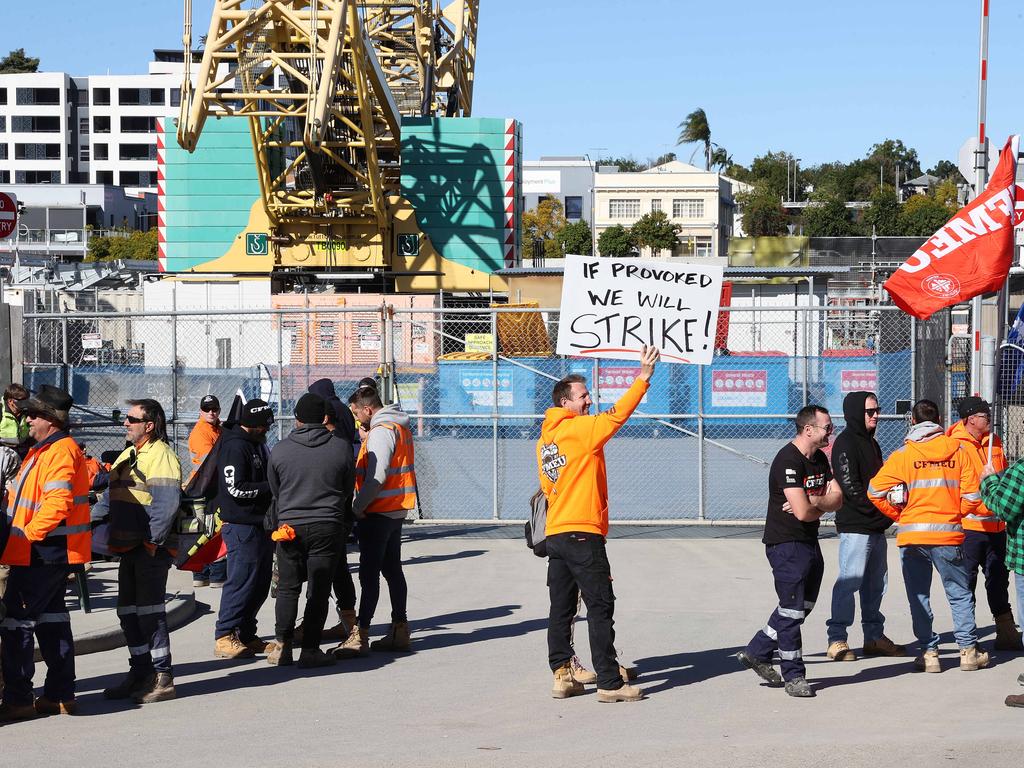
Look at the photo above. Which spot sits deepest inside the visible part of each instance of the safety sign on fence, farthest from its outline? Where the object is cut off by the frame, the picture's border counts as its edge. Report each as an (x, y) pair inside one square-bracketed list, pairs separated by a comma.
[(612, 307)]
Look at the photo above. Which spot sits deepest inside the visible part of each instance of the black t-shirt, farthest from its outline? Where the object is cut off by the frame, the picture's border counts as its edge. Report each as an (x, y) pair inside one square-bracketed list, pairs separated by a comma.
[(791, 469)]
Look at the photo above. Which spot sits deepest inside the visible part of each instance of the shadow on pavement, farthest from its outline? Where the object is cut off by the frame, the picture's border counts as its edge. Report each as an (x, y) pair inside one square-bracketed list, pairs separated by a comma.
[(444, 558), (687, 668), (441, 639)]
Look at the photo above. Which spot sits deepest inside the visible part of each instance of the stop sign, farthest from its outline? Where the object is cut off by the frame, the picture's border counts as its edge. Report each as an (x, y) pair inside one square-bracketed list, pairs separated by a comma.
[(8, 215)]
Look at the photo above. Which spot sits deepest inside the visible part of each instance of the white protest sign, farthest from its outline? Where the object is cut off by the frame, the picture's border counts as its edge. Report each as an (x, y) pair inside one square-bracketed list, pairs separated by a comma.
[(612, 307)]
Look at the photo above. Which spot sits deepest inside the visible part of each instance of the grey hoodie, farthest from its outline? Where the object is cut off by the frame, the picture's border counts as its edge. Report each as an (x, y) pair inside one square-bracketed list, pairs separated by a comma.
[(926, 430), (380, 446), (312, 475)]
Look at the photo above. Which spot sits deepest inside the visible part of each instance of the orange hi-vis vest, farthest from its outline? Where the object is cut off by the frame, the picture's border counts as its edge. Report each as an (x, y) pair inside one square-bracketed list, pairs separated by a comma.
[(942, 488), (982, 518), (48, 507), (398, 492)]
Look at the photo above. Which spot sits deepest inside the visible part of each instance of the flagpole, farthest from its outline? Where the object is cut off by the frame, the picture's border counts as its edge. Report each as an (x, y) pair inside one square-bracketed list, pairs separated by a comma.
[(980, 179)]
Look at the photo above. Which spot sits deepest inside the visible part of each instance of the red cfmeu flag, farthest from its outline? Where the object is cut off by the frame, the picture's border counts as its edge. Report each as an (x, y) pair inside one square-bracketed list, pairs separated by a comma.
[(970, 255)]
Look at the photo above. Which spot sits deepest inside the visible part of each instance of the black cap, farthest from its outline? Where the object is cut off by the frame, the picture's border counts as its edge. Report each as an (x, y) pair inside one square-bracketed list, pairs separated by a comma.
[(256, 413), (50, 402), (209, 403), (972, 405), (311, 409), (368, 381)]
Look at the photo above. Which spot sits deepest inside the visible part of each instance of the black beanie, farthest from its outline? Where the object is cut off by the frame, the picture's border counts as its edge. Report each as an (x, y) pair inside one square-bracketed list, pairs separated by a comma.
[(311, 409), (256, 413)]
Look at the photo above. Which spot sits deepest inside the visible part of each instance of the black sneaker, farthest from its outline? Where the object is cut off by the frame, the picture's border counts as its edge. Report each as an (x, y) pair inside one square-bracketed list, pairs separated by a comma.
[(799, 688), (762, 669)]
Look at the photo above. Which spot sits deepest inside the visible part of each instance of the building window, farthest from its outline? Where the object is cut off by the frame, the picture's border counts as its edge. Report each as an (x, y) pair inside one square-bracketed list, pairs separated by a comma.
[(655, 205), (688, 208), (137, 152), (105, 177), (101, 97), (83, 126), (37, 177), (138, 124), (573, 208), (37, 152), (32, 124), (3, 95), (3, 123), (140, 97), (101, 124), (703, 247), (175, 97), (624, 208), (82, 98), (223, 353), (41, 96), (3, 151), (137, 178), (83, 153), (101, 151), (5, 177)]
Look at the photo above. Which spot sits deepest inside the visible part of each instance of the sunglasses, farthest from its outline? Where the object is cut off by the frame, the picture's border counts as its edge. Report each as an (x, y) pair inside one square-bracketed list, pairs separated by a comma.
[(828, 429), (135, 420), (872, 411)]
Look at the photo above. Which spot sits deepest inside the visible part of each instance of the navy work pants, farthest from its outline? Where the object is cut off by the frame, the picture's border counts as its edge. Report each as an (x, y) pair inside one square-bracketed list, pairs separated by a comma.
[(578, 564), (34, 601), (141, 591), (797, 567), (250, 567), (987, 551)]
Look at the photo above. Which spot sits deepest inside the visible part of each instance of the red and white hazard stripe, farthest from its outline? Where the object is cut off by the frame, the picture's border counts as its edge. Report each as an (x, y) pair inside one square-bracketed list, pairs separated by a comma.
[(161, 232), (511, 219)]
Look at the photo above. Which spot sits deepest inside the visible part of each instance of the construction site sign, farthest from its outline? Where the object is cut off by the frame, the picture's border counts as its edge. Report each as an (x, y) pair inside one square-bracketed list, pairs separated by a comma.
[(611, 307)]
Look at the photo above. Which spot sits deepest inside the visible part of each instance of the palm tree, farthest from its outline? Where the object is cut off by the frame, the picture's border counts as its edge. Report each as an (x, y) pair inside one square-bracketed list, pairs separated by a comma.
[(720, 158), (695, 129)]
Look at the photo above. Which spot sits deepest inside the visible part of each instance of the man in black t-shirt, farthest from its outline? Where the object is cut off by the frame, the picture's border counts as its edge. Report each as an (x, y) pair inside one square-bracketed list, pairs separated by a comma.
[(800, 490)]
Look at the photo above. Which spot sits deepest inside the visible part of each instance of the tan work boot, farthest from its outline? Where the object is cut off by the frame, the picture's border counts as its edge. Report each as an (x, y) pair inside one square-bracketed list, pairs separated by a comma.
[(259, 647), (625, 693), (9, 712), (883, 646), (580, 673), (45, 706), (230, 647), (162, 689), (971, 659), (357, 644), (281, 655), (565, 685), (312, 658), (928, 662), (1007, 636), (342, 629), (132, 682), (840, 651), (397, 638)]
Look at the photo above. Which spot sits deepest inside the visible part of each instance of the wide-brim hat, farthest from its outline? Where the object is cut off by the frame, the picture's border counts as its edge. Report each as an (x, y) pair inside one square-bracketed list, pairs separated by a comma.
[(51, 402)]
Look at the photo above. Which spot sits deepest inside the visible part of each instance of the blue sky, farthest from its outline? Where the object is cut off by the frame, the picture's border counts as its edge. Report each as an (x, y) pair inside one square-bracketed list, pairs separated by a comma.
[(824, 80)]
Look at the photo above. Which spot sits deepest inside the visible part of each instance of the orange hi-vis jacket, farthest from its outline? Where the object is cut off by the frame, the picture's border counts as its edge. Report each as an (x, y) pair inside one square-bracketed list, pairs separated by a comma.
[(201, 440), (398, 491), (571, 465), (942, 487), (982, 518), (48, 507)]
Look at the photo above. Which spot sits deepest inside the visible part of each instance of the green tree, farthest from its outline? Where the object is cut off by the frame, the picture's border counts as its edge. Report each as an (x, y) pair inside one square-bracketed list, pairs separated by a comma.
[(763, 215), (890, 152), (137, 245), (668, 157), (624, 164), (576, 237), (883, 212), (922, 216), (654, 230), (721, 159), (16, 62), (946, 192), (695, 130), (827, 216), (771, 171), (615, 241), (946, 169), (543, 223)]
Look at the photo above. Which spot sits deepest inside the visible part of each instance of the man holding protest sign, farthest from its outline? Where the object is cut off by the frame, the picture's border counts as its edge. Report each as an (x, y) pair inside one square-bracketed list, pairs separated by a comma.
[(574, 478)]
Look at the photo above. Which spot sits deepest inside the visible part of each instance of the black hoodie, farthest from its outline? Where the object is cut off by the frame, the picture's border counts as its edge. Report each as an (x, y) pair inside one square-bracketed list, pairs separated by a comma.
[(344, 421), (856, 458), (312, 475), (243, 493)]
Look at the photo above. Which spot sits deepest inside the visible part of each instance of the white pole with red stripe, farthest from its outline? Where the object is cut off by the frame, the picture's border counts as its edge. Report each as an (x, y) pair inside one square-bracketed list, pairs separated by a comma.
[(980, 180)]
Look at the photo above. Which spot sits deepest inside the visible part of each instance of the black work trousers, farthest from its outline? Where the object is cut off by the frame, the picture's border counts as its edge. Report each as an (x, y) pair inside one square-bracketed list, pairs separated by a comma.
[(578, 564), (344, 587), (380, 554), (311, 556), (987, 551)]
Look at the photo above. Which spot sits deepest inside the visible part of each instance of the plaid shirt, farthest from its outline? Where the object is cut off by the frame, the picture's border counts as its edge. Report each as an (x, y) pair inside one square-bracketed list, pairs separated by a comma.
[(1003, 494)]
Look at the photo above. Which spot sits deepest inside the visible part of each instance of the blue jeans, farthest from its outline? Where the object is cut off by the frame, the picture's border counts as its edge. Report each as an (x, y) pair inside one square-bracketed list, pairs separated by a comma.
[(216, 572), (1018, 581), (918, 562), (862, 568)]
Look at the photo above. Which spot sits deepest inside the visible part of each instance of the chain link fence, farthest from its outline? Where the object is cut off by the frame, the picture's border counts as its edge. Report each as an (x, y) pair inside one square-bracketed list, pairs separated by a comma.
[(477, 381)]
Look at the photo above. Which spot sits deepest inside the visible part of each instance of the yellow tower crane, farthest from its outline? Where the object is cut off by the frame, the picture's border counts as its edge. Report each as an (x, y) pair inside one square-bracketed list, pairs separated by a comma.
[(324, 85)]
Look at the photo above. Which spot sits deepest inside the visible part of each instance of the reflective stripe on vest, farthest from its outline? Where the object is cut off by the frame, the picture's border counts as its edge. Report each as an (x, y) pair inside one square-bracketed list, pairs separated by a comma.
[(937, 482), (933, 527), (398, 491)]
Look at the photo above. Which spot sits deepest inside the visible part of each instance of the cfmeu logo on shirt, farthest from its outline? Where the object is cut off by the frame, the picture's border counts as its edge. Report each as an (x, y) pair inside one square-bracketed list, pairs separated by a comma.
[(551, 461)]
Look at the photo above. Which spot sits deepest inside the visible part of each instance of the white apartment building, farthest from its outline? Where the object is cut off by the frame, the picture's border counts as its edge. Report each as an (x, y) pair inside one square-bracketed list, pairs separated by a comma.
[(699, 201), (56, 128)]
